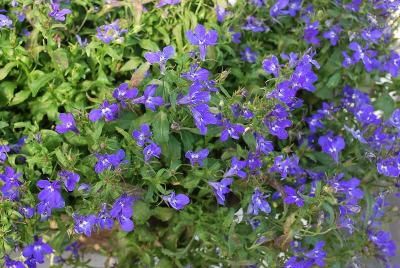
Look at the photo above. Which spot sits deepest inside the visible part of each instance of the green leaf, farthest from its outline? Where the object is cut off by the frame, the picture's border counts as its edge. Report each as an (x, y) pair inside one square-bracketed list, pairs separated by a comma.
[(148, 45), (131, 64), (142, 212), (386, 104), (163, 213), (60, 58), (7, 69), (160, 126), (37, 80), (20, 97), (7, 89)]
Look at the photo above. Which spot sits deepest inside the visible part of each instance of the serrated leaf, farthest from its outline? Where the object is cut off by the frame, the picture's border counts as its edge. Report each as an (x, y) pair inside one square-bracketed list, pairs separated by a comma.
[(7, 69)]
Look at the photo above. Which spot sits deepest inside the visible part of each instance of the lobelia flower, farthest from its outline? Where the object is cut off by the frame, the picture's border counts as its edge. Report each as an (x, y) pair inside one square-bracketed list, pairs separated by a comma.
[(221, 13), (236, 168), (51, 193), (148, 100), (27, 212), (203, 117), (143, 135), (332, 145), (383, 242), (5, 21), (236, 37), (4, 149), (283, 92), (371, 35), (333, 34), (160, 57), (262, 145), (196, 73), (365, 55), (253, 162), (122, 210), (292, 197), (255, 25), (389, 167), (221, 189), (9, 263), (108, 161), (195, 96), (365, 115), (110, 32), (70, 179), (178, 202), (311, 33), (67, 123), (151, 150), (201, 38), (123, 92), (317, 255), (393, 65), (107, 110), (168, 2), (394, 119), (197, 157), (356, 133), (258, 3), (288, 166), (104, 218), (314, 122), (277, 122), (271, 66), (74, 248), (354, 5), (258, 203), (57, 13), (291, 58), (37, 250), (11, 184), (84, 224), (249, 55), (231, 130)]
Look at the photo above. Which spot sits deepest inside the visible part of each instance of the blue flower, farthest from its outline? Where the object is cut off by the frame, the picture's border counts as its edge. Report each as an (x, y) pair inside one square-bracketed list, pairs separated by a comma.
[(57, 13), (148, 100), (160, 57), (332, 145), (197, 157), (201, 38), (178, 202), (37, 250), (143, 135), (123, 211), (107, 110), (84, 224), (67, 123), (221, 189), (151, 150), (70, 179), (258, 203)]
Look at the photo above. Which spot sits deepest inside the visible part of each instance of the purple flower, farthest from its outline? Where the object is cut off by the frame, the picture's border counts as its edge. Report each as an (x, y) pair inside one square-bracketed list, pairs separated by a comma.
[(284, 92), (160, 57), (347, 61), (201, 38), (333, 34), (221, 13), (168, 2), (311, 33), (123, 92), (196, 73), (262, 145), (332, 145), (123, 211), (394, 119), (393, 65), (197, 157), (221, 189), (74, 248), (37, 250), (236, 37), (108, 161), (317, 255), (291, 58), (11, 184), (84, 224), (356, 133), (277, 122), (110, 32), (236, 168), (371, 35), (143, 135), (107, 110), (28, 212), (314, 122), (151, 150), (148, 100), (255, 25), (104, 218), (195, 96), (178, 202), (292, 197), (231, 130), (4, 149), (51, 193), (365, 114), (354, 5), (13, 264), (203, 117), (303, 77), (58, 14), (383, 242), (253, 162), (67, 123), (70, 179), (288, 166), (365, 55), (271, 66), (258, 203), (5, 21), (249, 55), (389, 167)]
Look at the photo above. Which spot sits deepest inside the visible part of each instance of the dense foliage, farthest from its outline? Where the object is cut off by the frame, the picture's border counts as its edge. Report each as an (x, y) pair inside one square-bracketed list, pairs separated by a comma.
[(248, 133)]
